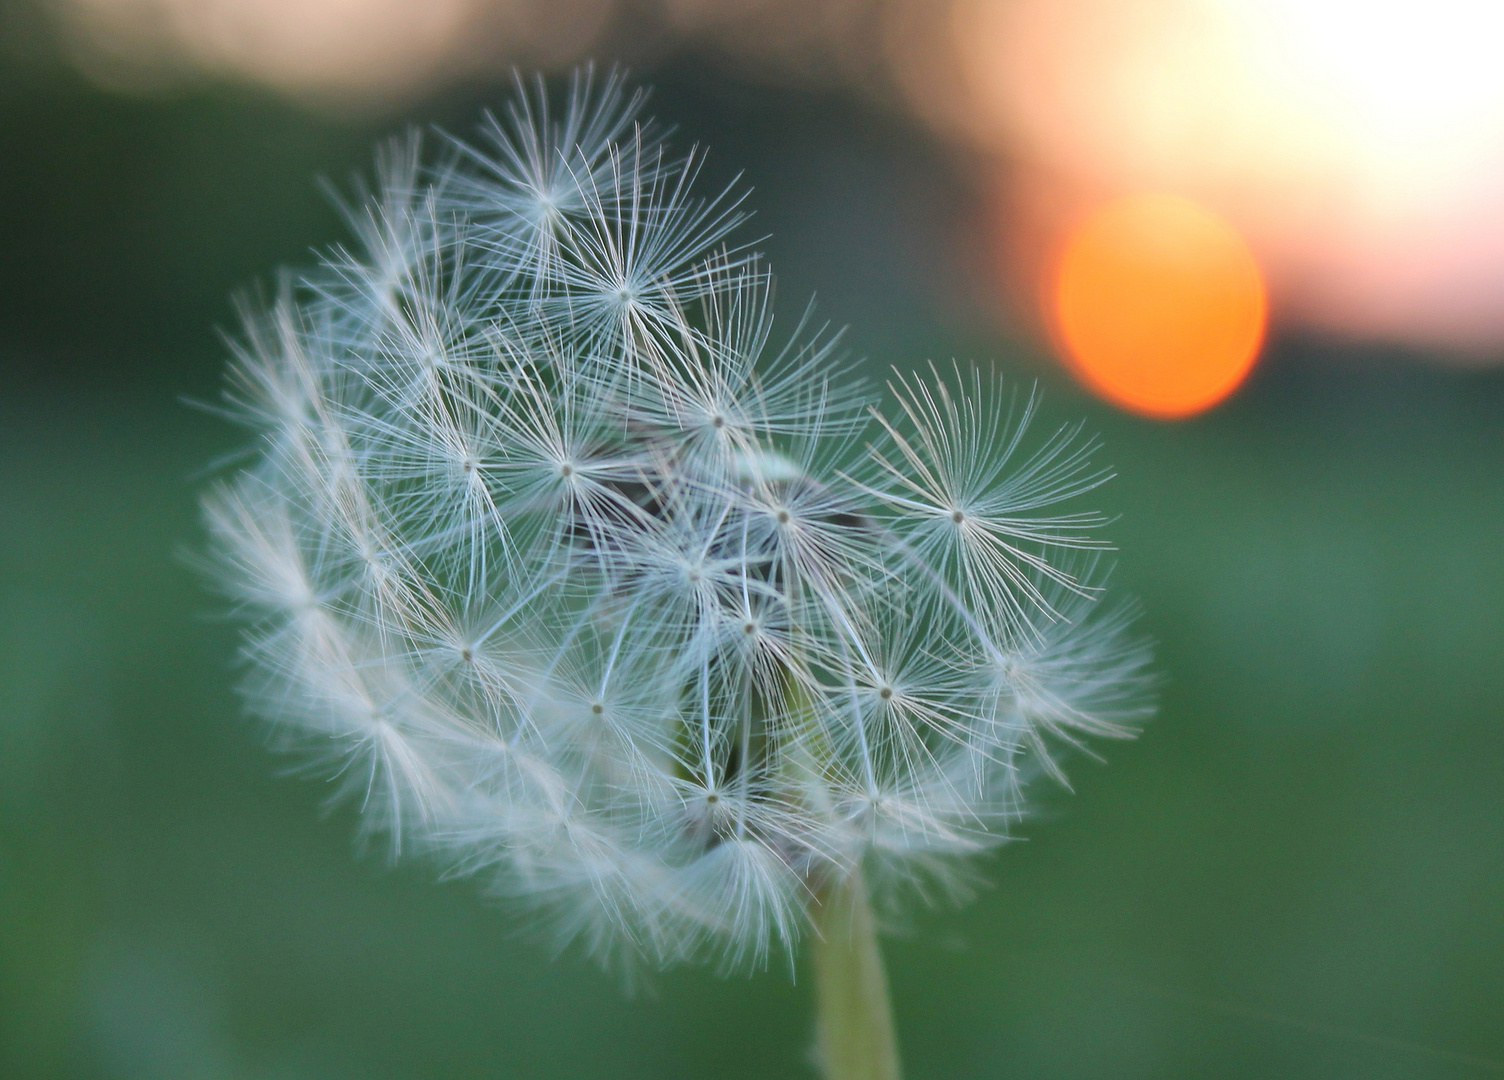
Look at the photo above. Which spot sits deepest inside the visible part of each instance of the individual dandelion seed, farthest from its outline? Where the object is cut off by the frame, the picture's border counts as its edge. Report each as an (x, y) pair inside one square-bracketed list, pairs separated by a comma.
[(577, 582)]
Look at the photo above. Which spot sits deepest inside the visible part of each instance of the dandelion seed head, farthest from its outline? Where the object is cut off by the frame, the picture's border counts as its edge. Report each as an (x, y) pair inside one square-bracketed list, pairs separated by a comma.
[(575, 581)]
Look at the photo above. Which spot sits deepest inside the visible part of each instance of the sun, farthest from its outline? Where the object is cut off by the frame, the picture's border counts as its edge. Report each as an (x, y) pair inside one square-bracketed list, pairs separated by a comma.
[(1159, 304)]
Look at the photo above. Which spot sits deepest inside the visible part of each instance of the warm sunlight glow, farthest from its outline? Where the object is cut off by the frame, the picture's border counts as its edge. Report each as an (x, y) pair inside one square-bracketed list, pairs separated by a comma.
[(334, 51), (1159, 304), (1358, 145)]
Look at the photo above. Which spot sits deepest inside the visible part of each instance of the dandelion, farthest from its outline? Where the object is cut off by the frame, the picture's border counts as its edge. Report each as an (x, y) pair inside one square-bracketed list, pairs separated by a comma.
[(576, 581)]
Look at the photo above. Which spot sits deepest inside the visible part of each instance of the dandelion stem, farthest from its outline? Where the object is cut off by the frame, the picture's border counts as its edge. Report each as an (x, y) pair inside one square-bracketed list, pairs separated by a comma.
[(854, 1032)]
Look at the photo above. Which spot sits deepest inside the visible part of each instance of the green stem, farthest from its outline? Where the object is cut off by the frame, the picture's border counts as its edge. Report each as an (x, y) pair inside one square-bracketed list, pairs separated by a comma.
[(854, 1035)]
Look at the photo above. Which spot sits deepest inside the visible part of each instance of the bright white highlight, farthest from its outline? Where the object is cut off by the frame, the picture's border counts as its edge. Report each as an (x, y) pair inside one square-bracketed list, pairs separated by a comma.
[(1357, 145), (572, 578)]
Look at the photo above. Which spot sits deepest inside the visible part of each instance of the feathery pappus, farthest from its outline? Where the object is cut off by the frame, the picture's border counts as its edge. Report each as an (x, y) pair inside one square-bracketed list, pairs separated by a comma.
[(576, 578)]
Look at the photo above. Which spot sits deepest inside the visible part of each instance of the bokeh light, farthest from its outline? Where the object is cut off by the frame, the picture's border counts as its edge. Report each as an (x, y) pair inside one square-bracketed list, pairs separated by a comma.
[(339, 53), (1358, 146), (1159, 304)]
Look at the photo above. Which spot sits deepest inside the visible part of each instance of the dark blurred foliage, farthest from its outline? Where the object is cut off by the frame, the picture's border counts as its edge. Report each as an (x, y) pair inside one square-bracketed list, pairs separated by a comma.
[(1298, 870)]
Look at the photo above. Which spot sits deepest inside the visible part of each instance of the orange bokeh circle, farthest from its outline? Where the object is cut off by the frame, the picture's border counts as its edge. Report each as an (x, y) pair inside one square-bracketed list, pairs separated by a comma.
[(1159, 304)]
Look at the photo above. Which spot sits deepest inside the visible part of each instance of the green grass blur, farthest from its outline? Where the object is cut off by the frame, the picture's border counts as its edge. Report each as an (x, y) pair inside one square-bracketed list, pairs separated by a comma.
[(1297, 871)]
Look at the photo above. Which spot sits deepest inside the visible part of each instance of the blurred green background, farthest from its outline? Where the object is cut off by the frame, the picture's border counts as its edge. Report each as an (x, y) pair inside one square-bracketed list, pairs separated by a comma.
[(1297, 871)]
